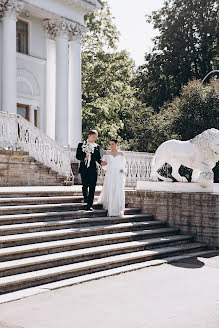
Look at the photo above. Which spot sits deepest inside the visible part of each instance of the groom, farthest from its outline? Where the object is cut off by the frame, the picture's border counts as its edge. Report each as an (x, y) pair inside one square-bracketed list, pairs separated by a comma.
[(88, 153)]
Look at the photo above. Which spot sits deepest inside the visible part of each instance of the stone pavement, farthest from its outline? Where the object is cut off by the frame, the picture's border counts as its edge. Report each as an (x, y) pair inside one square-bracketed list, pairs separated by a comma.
[(180, 295)]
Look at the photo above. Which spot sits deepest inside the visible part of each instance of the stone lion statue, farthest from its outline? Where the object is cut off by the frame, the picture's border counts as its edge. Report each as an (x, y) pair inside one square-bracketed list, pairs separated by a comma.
[(200, 154)]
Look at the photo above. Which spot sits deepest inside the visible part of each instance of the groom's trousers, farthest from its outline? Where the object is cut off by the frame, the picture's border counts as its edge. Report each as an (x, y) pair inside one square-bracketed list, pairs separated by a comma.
[(89, 181)]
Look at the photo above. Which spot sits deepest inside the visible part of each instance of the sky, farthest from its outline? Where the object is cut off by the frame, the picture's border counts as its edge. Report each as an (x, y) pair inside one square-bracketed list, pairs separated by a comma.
[(130, 20)]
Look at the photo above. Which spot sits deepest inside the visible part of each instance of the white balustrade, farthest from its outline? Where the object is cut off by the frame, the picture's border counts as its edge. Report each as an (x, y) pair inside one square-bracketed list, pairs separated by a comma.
[(16, 133), (138, 167)]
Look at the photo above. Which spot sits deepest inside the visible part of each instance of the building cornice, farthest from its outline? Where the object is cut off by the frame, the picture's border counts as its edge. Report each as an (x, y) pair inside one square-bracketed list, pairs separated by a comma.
[(87, 5)]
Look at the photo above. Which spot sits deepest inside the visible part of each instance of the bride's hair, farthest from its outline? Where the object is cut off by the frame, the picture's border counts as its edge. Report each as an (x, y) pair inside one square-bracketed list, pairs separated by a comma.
[(114, 140)]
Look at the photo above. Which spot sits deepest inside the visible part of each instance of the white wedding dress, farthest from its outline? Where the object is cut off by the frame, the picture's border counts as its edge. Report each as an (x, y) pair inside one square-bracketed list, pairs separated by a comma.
[(112, 196)]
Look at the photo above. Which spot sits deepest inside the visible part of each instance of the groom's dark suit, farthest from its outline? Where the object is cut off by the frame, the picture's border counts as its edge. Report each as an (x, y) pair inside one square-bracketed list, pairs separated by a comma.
[(88, 174)]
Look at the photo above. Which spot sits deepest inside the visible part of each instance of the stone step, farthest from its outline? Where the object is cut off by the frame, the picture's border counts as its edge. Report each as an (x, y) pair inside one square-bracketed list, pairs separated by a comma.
[(36, 278), (39, 208), (52, 216), (32, 250), (48, 216), (92, 237), (81, 255), (24, 192), (131, 220), (18, 169), (17, 295), (8, 201)]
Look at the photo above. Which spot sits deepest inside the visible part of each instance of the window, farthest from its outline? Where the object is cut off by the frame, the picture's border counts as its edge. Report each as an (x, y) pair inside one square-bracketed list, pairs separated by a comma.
[(22, 37), (24, 111)]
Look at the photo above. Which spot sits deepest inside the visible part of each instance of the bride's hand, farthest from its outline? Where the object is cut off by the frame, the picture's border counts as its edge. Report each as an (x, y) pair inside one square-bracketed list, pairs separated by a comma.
[(104, 163)]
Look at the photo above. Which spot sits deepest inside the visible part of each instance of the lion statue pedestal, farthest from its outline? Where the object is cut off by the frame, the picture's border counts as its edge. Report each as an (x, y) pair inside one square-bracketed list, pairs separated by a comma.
[(200, 154), (176, 187)]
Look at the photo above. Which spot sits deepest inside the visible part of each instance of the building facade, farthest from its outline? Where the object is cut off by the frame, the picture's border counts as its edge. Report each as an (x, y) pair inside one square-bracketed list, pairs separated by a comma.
[(40, 56)]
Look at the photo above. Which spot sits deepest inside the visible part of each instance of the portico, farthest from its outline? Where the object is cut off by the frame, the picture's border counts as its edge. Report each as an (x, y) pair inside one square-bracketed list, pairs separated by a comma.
[(41, 63)]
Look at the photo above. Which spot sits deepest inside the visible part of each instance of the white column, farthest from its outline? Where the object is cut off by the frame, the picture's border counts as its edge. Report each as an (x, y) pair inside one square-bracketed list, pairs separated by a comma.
[(61, 126), (10, 12), (50, 87), (75, 110)]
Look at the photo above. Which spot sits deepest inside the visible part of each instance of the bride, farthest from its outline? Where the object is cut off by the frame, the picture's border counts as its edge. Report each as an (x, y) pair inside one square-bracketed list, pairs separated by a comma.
[(112, 196)]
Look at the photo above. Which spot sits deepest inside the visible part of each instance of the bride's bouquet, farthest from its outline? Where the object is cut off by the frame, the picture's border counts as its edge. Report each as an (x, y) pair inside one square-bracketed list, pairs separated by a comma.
[(88, 148)]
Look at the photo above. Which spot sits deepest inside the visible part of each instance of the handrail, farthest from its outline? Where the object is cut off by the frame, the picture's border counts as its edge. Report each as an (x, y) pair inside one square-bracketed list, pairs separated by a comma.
[(18, 133)]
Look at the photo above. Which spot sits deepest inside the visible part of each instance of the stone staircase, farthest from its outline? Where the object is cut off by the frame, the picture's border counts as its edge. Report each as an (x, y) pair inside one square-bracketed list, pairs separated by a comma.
[(18, 168), (48, 241)]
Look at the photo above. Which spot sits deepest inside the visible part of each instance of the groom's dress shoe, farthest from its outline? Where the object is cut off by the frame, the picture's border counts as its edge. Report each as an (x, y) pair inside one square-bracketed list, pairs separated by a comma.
[(90, 208)]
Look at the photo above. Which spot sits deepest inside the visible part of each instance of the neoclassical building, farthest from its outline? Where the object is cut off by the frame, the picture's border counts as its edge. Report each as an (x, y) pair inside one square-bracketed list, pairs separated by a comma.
[(40, 71)]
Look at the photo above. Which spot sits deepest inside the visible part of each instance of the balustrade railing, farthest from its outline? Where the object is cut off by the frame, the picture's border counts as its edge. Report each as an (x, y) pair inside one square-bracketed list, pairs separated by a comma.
[(16, 133), (138, 167)]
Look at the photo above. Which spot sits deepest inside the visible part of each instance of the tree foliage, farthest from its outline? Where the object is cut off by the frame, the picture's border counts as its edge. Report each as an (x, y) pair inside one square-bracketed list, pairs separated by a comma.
[(146, 108), (184, 49), (108, 97), (196, 109)]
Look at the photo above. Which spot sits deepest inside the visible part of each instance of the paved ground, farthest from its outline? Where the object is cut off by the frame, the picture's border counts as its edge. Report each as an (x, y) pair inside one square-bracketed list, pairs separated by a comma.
[(183, 295)]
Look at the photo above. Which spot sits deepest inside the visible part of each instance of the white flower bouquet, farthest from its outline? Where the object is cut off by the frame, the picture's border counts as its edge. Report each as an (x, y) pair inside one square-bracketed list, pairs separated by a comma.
[(88, 148)]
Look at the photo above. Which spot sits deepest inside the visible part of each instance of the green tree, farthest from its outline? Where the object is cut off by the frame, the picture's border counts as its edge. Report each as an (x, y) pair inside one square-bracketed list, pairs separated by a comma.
[(185, 48), (196, 109), (108, 98)]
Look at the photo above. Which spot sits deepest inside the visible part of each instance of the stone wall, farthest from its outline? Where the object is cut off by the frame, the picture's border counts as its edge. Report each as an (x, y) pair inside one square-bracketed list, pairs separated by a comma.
[(17, 168), (193, 213)]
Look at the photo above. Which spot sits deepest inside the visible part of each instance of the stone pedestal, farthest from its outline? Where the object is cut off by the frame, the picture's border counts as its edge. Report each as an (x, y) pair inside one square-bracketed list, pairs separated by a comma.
[(192, 212), (175, 187)]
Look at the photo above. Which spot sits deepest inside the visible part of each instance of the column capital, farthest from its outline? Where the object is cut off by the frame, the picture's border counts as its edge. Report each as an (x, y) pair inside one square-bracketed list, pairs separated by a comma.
[(10, 8), (78, 33), (49, 27), (64, 28)]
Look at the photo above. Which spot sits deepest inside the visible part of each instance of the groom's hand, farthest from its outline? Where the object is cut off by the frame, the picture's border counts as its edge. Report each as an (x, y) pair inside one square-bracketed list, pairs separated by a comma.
[(86, 158)]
